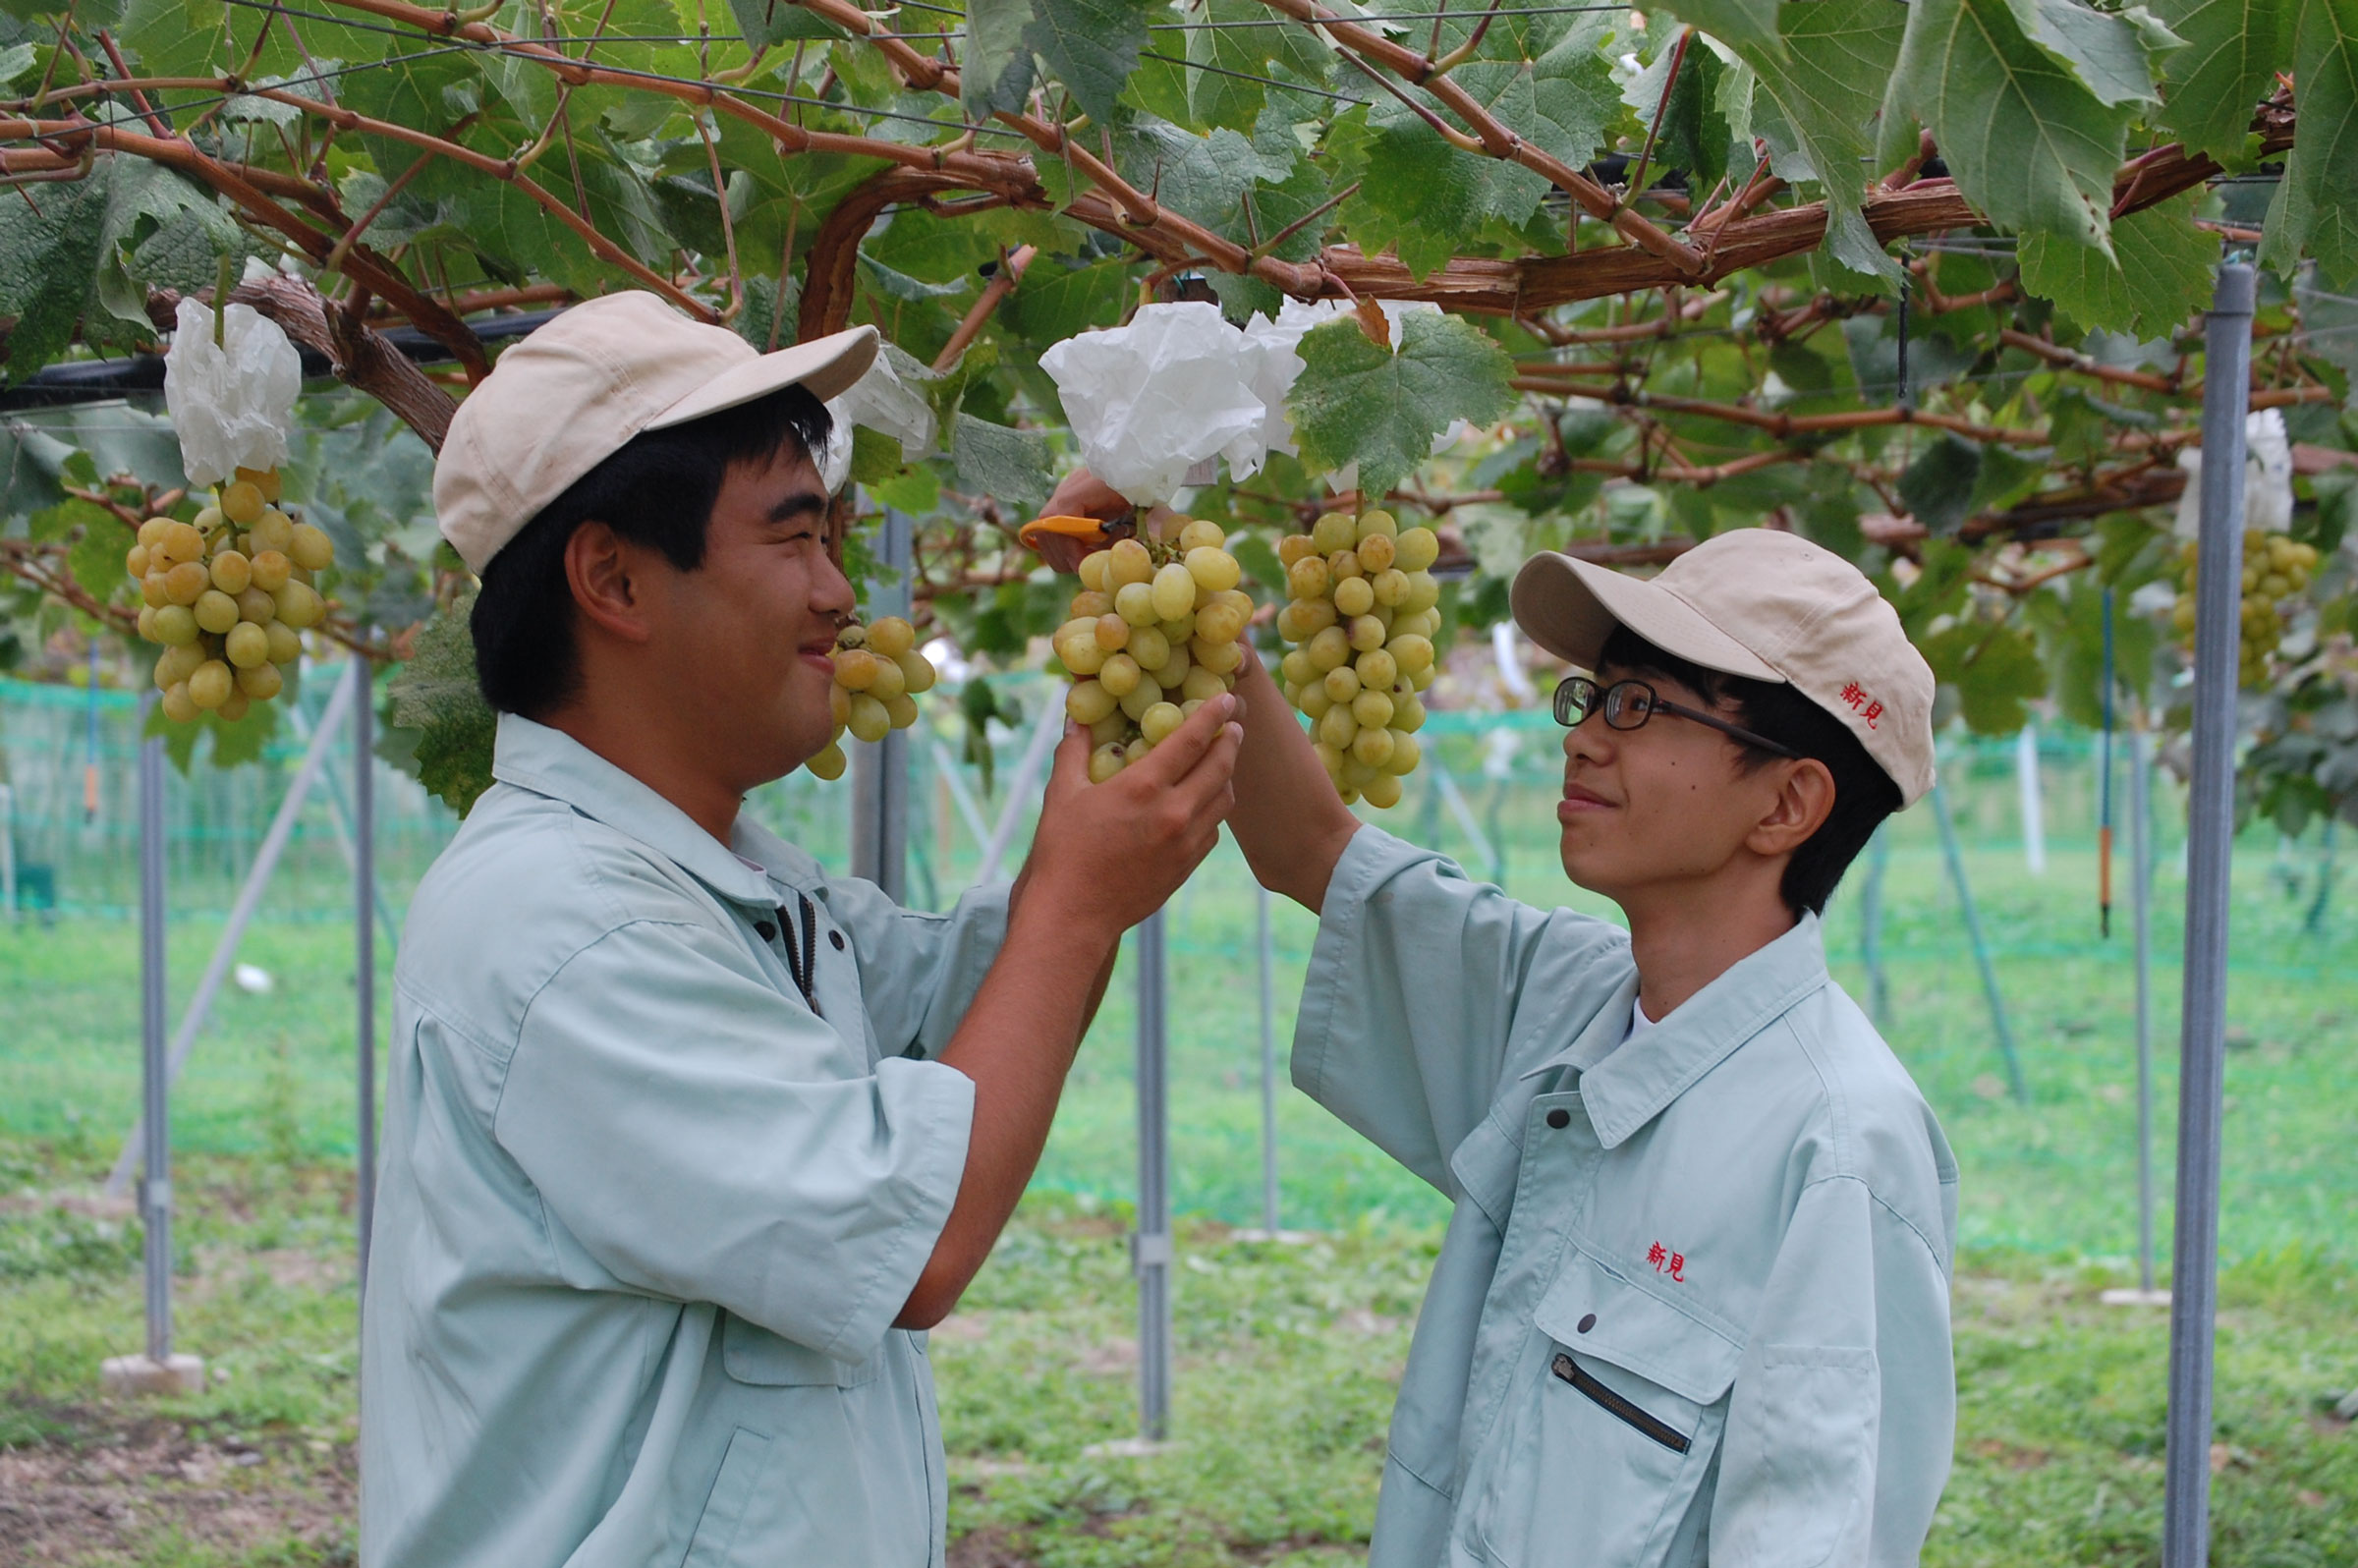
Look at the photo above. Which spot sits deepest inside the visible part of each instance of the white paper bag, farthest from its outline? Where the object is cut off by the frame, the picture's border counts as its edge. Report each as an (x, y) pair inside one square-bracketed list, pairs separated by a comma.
[(232, 403)]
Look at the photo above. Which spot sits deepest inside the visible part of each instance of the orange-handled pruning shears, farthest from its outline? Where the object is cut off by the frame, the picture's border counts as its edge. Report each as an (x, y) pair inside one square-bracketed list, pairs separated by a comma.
[(1091, 533)]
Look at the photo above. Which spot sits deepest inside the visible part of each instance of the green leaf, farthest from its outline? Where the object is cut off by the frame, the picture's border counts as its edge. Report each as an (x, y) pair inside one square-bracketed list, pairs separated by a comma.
[(1092, 46), (1821, 98), (1996, 670), (2233, 51), (1218, 92), (2312, 213), (2004, 479), (2114, 57), (49, 251), (437, 695), (1055, 302), (1697, 131), (2082, 426), (1357, 400), (2160, 272), (2028, 144), (1738, 23), (2331, 323), (1007, 464), (771, 22), (1938, 486), (997, 68)]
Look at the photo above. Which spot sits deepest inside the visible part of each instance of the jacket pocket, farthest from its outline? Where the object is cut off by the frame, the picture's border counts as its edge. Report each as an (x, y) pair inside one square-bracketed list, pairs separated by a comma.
[(1614, 1420), (751, 1354), (714, 1545)]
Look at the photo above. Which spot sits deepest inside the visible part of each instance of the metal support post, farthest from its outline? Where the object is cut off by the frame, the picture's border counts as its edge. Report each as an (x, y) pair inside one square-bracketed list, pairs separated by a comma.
[(880, 770), (1871, 927), (364, 924), (155, 1083), (2140, 920), (1981, 945), (2210, 841), (7, 851), (2034, 814), (249, 897), (1268, 1067), (1150, 1247)]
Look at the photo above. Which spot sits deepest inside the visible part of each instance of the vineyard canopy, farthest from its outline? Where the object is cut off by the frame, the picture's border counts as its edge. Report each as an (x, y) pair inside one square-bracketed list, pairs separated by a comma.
[(1920, 280)]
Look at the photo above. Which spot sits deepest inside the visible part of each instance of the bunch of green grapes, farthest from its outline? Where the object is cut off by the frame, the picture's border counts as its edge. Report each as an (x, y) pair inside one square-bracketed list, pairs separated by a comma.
[(2274, 569), (878, 674), (227, 596), (1153, 633), (1362, 621)]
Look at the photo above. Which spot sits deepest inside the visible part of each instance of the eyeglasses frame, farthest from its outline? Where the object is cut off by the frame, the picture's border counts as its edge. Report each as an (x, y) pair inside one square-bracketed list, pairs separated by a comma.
[(1601, 698)]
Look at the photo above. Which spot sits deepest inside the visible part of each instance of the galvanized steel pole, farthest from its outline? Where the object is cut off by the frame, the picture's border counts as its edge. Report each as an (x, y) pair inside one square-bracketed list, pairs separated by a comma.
[(364, 927), (1150, 1247), (880, 770), (1269, 1068), (155, 1079), (2210, 841), (2141, 922)]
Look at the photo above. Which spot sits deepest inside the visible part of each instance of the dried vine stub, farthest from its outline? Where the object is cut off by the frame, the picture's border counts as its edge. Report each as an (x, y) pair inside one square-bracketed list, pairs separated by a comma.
[(1153, 633), (227, 597), (1362, 620), (879, 675)]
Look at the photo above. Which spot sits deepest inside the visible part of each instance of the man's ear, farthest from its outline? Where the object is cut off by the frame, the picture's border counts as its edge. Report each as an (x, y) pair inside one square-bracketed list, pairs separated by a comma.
[(1805, 798), (608, 578)]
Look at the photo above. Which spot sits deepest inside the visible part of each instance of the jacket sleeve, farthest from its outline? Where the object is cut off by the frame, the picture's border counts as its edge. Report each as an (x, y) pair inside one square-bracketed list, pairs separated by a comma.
[(1414, 987), (703, 1137), (919, 971), (1844, 1408)]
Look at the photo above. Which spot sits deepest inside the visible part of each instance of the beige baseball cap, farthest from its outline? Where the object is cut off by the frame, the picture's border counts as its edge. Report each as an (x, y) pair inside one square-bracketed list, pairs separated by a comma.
[(569, 396), (1763, 604)]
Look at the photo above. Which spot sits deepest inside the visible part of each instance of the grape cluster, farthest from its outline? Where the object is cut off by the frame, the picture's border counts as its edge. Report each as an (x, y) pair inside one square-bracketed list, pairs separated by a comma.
[(2274, 568), (878, 674), (1154, 632), (227, 597), (1363, 620)]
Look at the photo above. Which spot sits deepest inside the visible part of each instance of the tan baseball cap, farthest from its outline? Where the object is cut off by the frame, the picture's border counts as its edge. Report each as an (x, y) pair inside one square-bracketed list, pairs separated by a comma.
[(569, 396), (1763, 604)]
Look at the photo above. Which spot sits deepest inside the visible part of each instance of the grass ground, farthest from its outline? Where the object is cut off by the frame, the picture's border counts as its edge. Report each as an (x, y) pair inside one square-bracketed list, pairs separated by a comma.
[(1288, 1353)]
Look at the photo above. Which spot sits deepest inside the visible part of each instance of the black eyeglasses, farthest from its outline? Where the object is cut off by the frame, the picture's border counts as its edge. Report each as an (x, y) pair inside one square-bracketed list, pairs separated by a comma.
[(1628, 704)]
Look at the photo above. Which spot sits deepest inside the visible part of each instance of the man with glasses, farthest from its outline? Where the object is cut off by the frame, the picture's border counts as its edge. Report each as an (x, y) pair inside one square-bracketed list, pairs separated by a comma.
[(1693, 1302)]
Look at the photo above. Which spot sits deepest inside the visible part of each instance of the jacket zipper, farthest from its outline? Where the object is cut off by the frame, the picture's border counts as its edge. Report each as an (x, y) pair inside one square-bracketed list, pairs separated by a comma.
[(1669, 1436)]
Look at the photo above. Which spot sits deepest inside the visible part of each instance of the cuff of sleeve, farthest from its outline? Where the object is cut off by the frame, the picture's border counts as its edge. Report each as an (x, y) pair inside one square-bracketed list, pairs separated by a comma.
[(929, 1109), (1371, 858)]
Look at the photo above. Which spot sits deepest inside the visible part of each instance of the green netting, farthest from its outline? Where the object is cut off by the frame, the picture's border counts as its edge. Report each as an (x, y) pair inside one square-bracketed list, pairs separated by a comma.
[(2056, 1176)]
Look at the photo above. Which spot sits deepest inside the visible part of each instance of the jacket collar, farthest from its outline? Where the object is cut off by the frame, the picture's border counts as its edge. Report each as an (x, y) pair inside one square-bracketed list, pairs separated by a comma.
[(1624, 1089), (546, 761)]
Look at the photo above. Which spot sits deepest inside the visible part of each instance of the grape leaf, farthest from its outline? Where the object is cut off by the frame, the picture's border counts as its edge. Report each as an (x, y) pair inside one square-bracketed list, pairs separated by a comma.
[(997, 68), (49, 249), (2113, 56), (2159, 272), (1357, 400), (1938, 486), (1738, 23), (1008, 466), (2312, 211), (2234, 48), (1995, 669), (2028, 144), (1821, 98), (766, 22), (2330, 322), (1092, 46), (1218, 92), (437, 695)]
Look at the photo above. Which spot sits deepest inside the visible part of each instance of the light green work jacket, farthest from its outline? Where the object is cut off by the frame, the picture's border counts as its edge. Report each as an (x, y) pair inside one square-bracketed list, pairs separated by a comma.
[(645, 1216), (1693, 1300)]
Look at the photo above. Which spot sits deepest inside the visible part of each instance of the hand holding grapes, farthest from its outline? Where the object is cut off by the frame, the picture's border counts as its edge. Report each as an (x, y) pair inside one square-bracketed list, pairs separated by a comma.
[(1109, 855)]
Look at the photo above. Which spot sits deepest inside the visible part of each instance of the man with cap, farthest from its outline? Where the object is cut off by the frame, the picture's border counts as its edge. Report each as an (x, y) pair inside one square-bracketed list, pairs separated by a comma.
[(1693, 1300), (685, 1139)]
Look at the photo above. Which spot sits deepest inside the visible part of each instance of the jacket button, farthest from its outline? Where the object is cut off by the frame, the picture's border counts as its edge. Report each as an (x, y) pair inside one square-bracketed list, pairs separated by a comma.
[(1559, 1119), (770, 933), (835, 939), (1588, 1320)]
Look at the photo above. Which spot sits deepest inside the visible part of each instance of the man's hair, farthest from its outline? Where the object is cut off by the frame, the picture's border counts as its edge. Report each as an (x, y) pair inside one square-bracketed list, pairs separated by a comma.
[(657, 491), (1864, 794)]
